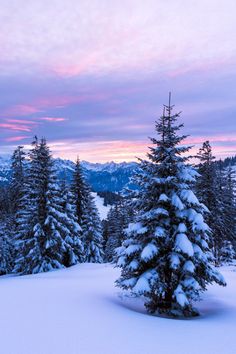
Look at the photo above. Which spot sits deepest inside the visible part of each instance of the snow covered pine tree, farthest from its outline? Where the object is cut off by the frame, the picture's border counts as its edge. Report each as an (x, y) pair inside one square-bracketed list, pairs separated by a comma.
[(44, 232), (115, 230), (87, 216), (17, 182), (165, 257), (74, 248), (216, 192), (118, 218)]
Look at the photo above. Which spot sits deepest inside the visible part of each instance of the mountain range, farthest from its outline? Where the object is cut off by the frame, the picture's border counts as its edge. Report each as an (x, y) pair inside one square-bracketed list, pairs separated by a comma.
[(109, 176)]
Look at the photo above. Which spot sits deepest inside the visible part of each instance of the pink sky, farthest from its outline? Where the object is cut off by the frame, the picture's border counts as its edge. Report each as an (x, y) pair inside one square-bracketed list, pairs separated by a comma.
[(92, 78)]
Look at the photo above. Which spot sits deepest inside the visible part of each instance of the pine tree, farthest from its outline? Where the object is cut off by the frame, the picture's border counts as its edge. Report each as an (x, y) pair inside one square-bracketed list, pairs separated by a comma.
[(92, 233), (217, 221), (74, 248), (40, 233), (13, 194), (118, 219), (165, 257), (6, 249), (230, 209), (212, 190), (87, 217), (206, 182), (114, 230), (80, 191), (17, 182)]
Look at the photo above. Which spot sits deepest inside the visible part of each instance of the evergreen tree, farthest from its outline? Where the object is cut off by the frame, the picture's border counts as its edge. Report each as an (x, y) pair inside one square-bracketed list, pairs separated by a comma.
[(114, 230), (166, 257), (92, 233), (230, 210), (18, 169), (87, 217), (216, 192), (205, 184), (74, 247), (40, 234), (105, 233), (118, 219), (6, 249), (80, 191)]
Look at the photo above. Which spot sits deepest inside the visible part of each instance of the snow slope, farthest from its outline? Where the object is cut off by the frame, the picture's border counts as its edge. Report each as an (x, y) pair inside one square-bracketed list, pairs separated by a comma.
[(78, 311), (102, 209)]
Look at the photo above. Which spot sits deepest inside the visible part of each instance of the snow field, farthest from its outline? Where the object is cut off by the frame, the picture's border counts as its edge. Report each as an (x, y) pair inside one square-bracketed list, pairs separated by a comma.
[(103, 210), (79, 311)]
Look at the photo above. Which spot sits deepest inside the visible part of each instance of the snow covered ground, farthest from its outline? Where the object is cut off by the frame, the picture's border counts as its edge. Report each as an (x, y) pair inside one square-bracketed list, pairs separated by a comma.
[(78, 311), (102, 209)]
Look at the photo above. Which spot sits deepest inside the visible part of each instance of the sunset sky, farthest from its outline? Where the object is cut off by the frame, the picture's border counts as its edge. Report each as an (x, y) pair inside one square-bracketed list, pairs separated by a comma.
[(92, 75)]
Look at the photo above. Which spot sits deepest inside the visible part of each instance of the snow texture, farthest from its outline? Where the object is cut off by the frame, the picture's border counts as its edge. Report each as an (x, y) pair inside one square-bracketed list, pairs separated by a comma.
[(149, 252), (183, 244), (78, 310), (102, 209)]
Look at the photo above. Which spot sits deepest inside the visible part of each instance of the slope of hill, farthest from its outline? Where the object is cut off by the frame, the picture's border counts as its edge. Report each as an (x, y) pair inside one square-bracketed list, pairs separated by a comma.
[(78, 310), (103, 210)]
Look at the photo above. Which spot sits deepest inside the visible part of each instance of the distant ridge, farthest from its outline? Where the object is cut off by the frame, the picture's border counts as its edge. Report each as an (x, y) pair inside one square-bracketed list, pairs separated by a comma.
[(109, 176)]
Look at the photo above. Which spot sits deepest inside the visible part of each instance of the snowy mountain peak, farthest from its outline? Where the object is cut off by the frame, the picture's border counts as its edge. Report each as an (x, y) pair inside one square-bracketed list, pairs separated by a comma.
[(107, 166)]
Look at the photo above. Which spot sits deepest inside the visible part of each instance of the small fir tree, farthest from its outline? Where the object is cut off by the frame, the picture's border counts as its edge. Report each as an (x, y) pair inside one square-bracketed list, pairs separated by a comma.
[(6, 249), (87, 217), (74, 248), (18, 170), (114, 230), (92, 233), (118, 219)]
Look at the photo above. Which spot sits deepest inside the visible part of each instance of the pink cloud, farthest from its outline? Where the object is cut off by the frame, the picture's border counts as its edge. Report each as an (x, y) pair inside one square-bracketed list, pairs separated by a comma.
[(21, 121), (16, 127), (16, 138), (54, 119), (42, 103), (212, 139), (21, 110), (73, 69), (103, 151), (61, 101)]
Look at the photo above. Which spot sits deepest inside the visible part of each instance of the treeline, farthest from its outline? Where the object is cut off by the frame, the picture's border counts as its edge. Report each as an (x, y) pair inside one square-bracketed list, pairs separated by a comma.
[(45, 223), (48, 223), (214, 187)]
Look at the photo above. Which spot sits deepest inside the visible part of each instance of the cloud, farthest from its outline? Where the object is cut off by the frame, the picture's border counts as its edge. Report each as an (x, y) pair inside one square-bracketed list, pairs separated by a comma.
[(22, 121), (102, 151), (17, 138), (108, 67), (93, 38), (20, 110), (16, 127), (53, 119)]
